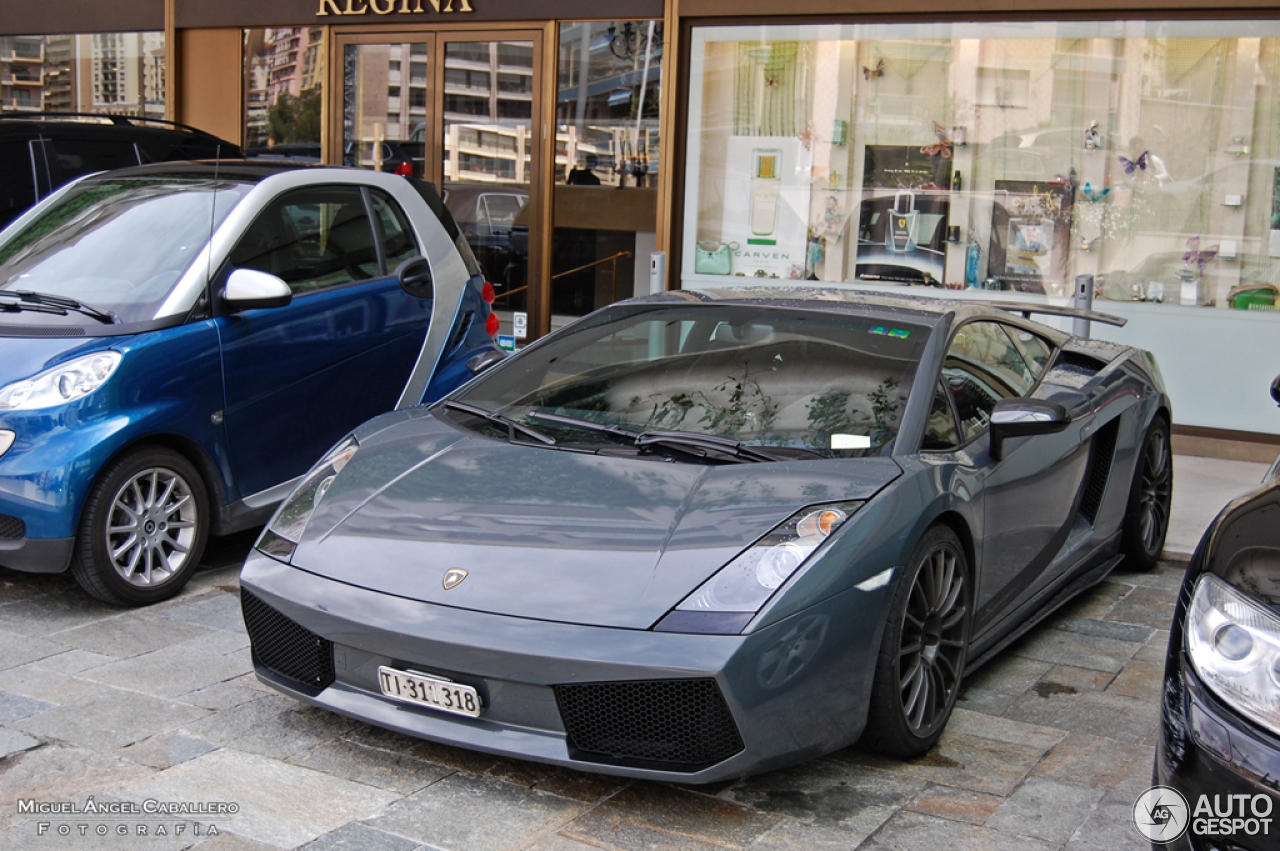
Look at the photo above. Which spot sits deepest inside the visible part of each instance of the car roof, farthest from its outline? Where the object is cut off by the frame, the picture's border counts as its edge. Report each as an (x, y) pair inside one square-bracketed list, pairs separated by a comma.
[(249, 171), (926, 310)]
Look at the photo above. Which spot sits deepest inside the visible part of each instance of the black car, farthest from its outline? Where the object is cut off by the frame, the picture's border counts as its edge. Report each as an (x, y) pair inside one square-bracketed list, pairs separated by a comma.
[(40, 152), (1219, 751)]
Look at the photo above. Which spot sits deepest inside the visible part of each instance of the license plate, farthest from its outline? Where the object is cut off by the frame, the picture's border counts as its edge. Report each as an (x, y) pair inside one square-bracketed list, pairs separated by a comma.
[(433, 692)]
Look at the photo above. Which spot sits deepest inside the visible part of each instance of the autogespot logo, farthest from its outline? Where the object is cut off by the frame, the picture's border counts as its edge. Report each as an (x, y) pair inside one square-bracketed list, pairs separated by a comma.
[(1161, 814)]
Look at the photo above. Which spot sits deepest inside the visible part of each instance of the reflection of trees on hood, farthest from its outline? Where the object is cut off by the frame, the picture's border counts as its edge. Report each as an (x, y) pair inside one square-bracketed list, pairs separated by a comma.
[(496, 474)]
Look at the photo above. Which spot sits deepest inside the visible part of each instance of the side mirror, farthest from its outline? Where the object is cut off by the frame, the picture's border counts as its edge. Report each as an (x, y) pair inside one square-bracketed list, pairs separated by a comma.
[(1022, 417), (415, 277), (484, 360), (1275, 389), (249, 289)]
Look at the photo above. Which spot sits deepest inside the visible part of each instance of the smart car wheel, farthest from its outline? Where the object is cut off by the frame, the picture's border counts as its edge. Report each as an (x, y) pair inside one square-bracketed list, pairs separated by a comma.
[(143, 529), (1146, 521), (923, 652)]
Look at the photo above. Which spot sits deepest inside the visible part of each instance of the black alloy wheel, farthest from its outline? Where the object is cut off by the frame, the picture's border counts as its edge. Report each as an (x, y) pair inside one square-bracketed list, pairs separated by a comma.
[(1146, 520), (923, 653)]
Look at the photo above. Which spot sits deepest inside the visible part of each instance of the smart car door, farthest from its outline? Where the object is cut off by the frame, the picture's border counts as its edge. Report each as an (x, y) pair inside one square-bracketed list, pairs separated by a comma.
[(299, 377), (1029, 493)]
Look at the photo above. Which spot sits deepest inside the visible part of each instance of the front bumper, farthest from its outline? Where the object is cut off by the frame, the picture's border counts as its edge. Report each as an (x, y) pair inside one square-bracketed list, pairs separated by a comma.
[(1209, 754), (36, 555), (794, 690)]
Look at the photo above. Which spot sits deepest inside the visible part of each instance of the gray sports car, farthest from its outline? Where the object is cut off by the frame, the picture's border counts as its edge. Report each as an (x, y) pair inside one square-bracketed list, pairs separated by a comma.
[(705, 534)]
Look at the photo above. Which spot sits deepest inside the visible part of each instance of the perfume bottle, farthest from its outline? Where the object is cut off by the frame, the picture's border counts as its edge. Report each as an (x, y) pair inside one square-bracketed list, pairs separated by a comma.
[(900, 236), (765, 186), (973, 258)]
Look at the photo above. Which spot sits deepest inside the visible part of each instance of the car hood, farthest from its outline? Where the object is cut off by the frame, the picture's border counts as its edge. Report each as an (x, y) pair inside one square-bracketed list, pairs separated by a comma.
[(552, 534)]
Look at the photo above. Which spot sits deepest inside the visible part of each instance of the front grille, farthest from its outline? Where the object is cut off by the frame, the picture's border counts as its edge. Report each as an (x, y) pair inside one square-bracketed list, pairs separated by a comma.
[(684, 722), (287, 648), (1101, 453), (12, 528), (40, 331)]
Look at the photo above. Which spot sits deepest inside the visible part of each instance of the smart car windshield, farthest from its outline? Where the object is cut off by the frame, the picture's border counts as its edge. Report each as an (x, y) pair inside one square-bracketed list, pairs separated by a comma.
[(116, 245), (712, 381)]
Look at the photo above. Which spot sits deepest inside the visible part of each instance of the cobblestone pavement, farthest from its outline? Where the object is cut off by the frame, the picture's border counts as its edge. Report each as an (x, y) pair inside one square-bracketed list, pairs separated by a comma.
[(1049, 747)]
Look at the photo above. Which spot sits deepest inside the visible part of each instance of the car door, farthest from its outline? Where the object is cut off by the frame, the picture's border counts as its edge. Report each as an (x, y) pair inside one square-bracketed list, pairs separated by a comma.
[(299, 377), (1029, 495)]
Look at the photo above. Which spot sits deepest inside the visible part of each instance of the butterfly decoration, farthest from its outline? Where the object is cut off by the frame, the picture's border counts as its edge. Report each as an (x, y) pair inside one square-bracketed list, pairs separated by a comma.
[(941, 148), (1094, 197), (806, 136), (1195, 256), (1087, 244), (1140, 163), (872, 73), (772, 80)]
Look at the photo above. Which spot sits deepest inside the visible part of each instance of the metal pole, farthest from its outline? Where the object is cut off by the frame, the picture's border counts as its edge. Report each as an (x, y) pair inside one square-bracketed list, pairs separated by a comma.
[(1083, 300)]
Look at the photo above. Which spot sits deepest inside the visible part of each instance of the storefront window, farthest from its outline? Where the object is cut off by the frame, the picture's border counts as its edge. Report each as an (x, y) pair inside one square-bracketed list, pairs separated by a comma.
[(117, 73), (990, 156), (608, 91), (284, 88)]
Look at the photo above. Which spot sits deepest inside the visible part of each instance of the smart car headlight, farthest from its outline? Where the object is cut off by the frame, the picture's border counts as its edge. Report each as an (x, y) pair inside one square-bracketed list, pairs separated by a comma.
[(66, 382), (285, 530), (1234, 644), (731, 597)]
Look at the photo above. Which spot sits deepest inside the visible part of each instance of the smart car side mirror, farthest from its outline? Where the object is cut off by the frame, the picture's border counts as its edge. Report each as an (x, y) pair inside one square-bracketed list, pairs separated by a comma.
[(1022, 417), (484, 360), (1275, 389), (249, 289), (415, 277)]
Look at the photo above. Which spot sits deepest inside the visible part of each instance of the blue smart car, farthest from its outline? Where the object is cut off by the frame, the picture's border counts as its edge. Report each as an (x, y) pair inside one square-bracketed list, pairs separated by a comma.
[(179, 343)]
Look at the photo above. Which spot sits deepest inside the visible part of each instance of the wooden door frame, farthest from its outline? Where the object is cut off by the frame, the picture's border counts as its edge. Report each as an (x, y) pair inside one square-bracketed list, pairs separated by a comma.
[(542, 35)]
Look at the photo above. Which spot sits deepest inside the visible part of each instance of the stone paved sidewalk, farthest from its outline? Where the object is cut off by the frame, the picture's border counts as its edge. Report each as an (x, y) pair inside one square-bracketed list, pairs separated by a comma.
[(1049, 747)]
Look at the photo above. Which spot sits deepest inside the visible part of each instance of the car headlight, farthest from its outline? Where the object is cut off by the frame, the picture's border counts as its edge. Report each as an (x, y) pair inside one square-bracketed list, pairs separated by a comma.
[(6, 440), (283, 533), (727, 602), (66, 382), (1234, 644)]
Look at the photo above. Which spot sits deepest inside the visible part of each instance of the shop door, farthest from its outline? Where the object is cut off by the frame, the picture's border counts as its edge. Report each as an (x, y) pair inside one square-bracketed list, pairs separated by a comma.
[(457, 108)]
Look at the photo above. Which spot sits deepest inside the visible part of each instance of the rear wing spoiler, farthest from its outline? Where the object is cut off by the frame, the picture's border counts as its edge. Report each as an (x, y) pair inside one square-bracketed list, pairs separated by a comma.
[(1027, 310)]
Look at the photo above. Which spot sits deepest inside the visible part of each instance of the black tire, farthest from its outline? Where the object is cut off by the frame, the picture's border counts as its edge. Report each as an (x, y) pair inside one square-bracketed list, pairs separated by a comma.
[(143, 528), (922, 655), (1146, 519)]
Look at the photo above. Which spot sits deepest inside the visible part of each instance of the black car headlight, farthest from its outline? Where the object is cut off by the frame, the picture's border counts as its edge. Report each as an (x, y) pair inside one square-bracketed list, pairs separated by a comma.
[(1234, 644), (285, 530), (727, 602)]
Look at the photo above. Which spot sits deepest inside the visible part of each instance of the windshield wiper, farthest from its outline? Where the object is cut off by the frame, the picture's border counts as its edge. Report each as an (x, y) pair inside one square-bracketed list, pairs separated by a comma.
[(590, 425), (44, 303), (699, 444), (512, 426), (689, 442)]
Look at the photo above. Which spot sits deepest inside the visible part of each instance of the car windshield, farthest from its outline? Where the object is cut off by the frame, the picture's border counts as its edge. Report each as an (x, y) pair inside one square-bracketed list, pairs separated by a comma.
[(792, 383), (117, 245)]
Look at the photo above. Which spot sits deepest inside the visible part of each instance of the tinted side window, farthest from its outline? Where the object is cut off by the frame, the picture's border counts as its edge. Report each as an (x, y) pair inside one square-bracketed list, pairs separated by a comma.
[(17, 191), (987, 345), (398, 243), (1036, 351), (941, 431), (983, 367), (313, 239), (71, 158)]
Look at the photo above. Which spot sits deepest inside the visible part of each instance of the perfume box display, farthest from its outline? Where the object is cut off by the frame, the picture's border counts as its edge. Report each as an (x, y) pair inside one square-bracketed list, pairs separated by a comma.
[(766, 205)]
